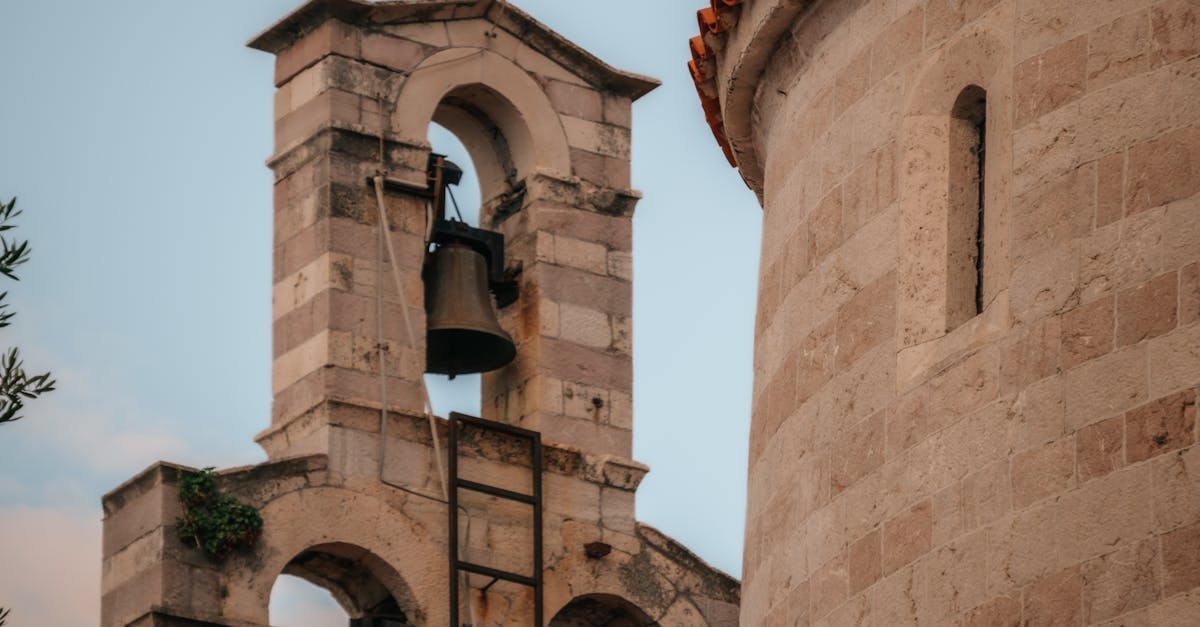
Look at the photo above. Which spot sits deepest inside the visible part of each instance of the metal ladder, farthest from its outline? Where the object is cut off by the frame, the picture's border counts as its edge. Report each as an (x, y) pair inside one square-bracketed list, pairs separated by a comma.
[(458, 566)]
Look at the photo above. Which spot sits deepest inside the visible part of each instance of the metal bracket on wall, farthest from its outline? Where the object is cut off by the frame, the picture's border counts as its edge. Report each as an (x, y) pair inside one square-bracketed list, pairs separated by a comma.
[(457, 566)]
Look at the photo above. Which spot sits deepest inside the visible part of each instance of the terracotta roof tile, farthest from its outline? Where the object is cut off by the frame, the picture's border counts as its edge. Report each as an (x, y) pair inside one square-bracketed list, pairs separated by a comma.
[(718, 17)]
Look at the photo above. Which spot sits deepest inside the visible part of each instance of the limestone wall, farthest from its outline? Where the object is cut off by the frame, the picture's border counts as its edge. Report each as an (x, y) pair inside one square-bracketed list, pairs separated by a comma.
[(328, 519), (1036, 463)]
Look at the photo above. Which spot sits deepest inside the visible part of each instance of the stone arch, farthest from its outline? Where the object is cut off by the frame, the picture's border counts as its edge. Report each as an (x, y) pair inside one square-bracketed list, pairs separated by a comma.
[(929, 328), (360, 581), (601, 610), (499, 112), (355, 545)]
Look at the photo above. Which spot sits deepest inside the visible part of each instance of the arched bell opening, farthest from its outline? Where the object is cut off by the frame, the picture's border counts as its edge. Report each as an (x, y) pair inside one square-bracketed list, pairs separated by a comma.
[(493, 133), (466, 281), (365, 591), (463, 392), (601, 610)]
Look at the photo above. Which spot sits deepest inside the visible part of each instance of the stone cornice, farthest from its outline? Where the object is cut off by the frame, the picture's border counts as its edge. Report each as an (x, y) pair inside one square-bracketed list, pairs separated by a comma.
[(538, 36)]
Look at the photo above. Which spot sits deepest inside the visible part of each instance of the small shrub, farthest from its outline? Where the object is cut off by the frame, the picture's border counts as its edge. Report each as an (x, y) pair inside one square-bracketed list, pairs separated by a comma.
[(215, 523)]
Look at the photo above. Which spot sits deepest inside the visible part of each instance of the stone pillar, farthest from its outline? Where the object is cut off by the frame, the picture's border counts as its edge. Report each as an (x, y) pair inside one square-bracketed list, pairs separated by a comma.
[(149, 578), (326, 274), (573, 377)]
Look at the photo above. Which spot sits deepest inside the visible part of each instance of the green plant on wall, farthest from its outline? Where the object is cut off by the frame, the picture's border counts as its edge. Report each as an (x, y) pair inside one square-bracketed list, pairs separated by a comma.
[(215, 523)]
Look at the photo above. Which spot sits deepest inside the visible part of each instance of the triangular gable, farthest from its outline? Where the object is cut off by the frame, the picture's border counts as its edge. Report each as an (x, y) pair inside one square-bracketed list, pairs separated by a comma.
[(533, 33)]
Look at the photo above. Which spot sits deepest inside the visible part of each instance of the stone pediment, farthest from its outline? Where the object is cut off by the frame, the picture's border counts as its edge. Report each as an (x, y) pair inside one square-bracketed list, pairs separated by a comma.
[(506, 17)]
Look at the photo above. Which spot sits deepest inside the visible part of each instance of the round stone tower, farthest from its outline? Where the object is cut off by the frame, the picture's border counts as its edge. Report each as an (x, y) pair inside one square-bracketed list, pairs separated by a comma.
[(978, 334)]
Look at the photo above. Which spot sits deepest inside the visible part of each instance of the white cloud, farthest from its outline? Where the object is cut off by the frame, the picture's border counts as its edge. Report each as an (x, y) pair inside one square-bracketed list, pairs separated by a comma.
[(89, 421), (51, 572)]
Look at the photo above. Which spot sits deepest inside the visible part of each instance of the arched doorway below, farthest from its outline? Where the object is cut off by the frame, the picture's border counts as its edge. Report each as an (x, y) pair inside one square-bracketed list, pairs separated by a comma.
[(601, 610), (337, 584)]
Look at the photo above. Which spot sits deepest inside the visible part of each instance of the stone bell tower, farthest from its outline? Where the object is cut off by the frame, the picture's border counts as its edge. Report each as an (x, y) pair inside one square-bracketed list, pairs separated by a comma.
[(352, 496)]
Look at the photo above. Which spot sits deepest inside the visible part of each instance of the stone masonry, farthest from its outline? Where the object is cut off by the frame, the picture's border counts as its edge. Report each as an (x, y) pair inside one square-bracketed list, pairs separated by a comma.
[(1037, 463), (548, 128)]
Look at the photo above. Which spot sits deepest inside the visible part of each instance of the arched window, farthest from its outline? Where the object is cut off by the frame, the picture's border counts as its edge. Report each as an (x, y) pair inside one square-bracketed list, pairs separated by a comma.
[(966, 279)]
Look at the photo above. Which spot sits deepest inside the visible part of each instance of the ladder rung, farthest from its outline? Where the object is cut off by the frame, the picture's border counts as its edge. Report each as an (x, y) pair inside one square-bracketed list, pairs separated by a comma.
[(494, 491), (498, 574)]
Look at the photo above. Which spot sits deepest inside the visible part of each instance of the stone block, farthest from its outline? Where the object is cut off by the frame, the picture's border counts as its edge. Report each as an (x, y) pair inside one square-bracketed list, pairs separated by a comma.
[(1046, 284), (1120, 582), (1163, 170), (1102, 513), (857, 452), (1022, 548), (332, 106), (853, 81), (825, 225), (868, 319), (1039, 413), (614, 232), (604, 139), (949, 395), (867, 191), (620, 265), (1175, 32), (1050, 80), (899, 42), (986, 495), (331, 37), (1176, 483), (1181, 559), (580, 254), (1100, 448), (829, 586), (894, 600), (584, 326), (1119, 49), (864, 562), (579, 287), (1189, 294), (1043, 472), (955, 579), (1055, 600), (1053, 213), (907, 536), (942, 19), (1121, 255), (617, 509), (1002, 611), (1032, 353), (576, 101), (1105, 386), (814, 361), (1087, 332), (1161, 426), (1174, 360), (1110, 188)]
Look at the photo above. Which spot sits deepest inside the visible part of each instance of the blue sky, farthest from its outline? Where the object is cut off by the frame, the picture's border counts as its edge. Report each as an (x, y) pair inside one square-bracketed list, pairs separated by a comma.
[(134, 133)]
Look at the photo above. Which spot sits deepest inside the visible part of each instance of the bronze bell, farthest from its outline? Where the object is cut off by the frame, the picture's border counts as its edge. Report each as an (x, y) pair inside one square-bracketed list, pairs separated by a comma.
[(462, 333)]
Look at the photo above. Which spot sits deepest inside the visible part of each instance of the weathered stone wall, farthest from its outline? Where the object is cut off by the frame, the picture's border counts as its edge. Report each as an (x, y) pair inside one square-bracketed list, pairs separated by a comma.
[(1037, 463), (552, 148), (325, 521)]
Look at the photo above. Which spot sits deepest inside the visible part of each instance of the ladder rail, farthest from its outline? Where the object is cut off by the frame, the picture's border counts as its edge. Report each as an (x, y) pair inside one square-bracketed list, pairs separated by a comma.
[(458, 566)]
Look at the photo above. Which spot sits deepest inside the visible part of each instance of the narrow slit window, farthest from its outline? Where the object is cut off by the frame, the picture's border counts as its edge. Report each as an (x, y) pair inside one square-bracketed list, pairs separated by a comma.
[(966, 272)]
